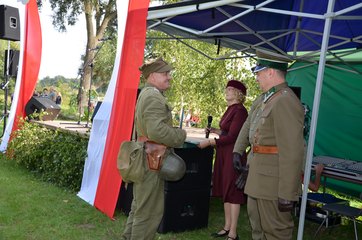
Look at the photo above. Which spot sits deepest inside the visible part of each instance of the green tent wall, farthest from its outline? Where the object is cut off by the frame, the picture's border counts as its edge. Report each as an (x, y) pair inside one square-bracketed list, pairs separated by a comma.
[(339, 127)]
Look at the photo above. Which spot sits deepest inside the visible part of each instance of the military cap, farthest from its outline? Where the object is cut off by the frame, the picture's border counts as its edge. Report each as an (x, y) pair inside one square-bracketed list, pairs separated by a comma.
[(238, 85), (269, 61), (155, 65)]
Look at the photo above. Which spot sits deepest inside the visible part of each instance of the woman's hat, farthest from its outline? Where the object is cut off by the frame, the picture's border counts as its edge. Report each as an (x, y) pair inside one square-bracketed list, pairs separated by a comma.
[(238, 85)]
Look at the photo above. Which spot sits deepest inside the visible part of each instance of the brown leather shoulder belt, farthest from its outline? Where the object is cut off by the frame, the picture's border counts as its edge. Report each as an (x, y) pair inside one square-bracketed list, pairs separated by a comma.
[(265, 149)]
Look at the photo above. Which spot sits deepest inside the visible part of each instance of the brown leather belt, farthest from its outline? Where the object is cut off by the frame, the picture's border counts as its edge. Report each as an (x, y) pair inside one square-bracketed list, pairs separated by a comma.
[(265, 149), (142, 139)]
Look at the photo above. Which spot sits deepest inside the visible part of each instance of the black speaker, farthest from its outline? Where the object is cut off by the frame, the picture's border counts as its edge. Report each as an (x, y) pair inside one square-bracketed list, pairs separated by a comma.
[(125, 198), (42, 103), (9, 23), (13, 62), (185, 210), (187, 200), (297, 91), (99, 103)]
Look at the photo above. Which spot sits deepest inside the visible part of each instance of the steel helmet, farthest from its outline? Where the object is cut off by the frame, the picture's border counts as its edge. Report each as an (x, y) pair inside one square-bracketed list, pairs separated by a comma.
[(173, 167)]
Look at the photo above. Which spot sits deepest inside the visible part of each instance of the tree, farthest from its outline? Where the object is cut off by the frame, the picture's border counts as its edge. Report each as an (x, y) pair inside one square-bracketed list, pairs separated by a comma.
[(98, 15), (199, 82)]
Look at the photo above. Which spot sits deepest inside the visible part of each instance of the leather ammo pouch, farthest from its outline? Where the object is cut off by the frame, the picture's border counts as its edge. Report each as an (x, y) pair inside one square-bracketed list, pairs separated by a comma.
[(155, 154)]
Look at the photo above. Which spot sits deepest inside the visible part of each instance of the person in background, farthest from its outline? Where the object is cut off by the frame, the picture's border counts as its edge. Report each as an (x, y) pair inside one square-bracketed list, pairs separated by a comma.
[(224, 175), (315, 184), (36, 94), (195, 120), (52, 94), (274, 130), (153, 121), (45, 92), (58, 99), (187, 119)]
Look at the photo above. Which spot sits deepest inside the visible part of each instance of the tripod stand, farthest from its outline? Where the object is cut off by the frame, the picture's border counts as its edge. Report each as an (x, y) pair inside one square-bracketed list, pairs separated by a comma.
[(91, 65), (4, 86), (89, 94)]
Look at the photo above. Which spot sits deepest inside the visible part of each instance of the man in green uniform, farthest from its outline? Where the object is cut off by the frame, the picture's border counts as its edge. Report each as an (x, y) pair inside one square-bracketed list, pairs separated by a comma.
[(153, 121), (274, 132)]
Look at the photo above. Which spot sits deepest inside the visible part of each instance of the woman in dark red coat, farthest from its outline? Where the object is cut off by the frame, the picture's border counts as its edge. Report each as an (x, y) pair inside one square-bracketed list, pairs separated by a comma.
[(224, 175)]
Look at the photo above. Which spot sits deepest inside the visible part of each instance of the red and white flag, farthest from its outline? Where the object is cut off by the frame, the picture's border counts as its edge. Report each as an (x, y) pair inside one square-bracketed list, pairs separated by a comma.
[(29, 63), (114, 120)]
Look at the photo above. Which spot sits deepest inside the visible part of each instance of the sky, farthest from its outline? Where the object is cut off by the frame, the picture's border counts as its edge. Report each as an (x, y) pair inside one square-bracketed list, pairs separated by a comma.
[(61, 52)]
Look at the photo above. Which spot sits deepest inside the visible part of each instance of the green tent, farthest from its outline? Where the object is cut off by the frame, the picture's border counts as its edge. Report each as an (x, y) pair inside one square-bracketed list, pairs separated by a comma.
[(339, 127)]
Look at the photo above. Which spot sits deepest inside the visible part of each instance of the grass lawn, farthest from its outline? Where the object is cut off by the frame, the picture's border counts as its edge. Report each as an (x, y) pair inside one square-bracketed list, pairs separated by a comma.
[(31, 209)]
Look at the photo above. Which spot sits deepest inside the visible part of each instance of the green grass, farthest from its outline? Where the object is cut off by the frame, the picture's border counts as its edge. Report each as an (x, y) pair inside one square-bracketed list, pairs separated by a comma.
[(31, 209)]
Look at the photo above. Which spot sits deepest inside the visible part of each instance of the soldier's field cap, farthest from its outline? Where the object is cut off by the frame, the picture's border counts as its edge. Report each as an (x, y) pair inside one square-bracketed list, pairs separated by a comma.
[(268, 61), (156, 65)]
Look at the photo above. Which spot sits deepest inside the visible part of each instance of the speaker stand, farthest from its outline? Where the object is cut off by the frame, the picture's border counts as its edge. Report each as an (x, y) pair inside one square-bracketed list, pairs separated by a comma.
[(4, 86), (89, 92)]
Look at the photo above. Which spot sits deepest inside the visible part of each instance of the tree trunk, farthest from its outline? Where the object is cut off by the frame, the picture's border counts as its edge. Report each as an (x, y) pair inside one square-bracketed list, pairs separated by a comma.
[(85, 86), (88, 60), (94, 33)]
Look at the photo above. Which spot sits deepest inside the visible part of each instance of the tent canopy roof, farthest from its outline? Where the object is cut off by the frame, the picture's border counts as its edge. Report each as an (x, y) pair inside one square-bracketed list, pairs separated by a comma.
[(280, 27)]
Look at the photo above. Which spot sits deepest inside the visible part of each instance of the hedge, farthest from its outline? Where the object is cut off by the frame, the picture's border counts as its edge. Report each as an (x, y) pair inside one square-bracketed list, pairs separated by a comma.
[(55, 156)]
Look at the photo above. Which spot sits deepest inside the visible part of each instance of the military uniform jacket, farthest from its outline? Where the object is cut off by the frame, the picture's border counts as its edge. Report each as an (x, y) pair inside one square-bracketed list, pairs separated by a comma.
[(153, 119), (275, 119)]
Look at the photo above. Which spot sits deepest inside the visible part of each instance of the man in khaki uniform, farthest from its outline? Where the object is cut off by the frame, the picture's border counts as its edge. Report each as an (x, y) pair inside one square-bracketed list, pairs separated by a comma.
[(274, 132), (153, 121)]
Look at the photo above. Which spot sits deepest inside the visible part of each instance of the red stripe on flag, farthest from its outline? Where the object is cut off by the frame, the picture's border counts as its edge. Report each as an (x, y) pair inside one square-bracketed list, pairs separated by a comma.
[(31, 59), (121, 121)]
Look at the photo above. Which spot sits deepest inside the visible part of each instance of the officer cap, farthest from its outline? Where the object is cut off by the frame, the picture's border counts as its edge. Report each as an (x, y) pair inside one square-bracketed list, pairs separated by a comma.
[(268, 61), (155, 65), (238, 85)]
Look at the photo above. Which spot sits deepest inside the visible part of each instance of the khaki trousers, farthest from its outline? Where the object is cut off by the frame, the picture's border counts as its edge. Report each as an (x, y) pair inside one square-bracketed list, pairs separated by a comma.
[(267, 221), (146, 209)]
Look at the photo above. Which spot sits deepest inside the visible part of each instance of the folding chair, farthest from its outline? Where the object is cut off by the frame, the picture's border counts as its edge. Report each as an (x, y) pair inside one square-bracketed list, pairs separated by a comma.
[(343, 210)]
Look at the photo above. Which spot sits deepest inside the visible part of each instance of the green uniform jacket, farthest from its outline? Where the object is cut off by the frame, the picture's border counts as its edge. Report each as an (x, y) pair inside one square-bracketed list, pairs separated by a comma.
[(275, 119), (154, 119)]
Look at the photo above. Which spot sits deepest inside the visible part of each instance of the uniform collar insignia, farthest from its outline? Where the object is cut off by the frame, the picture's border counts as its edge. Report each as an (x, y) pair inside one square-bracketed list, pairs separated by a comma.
[(268, 94)]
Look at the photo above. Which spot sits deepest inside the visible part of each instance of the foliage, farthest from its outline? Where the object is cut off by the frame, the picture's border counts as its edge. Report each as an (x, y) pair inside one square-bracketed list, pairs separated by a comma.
[(99, 16), (58, 157), (199, 82), (68, 89)]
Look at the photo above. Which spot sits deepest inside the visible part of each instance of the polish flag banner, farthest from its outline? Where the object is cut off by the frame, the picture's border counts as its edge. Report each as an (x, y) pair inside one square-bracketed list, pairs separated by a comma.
[(113, 122), (29, 63)]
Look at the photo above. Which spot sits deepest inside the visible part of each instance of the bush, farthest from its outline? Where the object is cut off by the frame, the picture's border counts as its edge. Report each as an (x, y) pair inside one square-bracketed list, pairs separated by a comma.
[(57, 157)]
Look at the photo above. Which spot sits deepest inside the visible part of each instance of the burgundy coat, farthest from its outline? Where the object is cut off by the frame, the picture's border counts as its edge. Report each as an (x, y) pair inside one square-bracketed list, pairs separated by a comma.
[(224, 175)]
